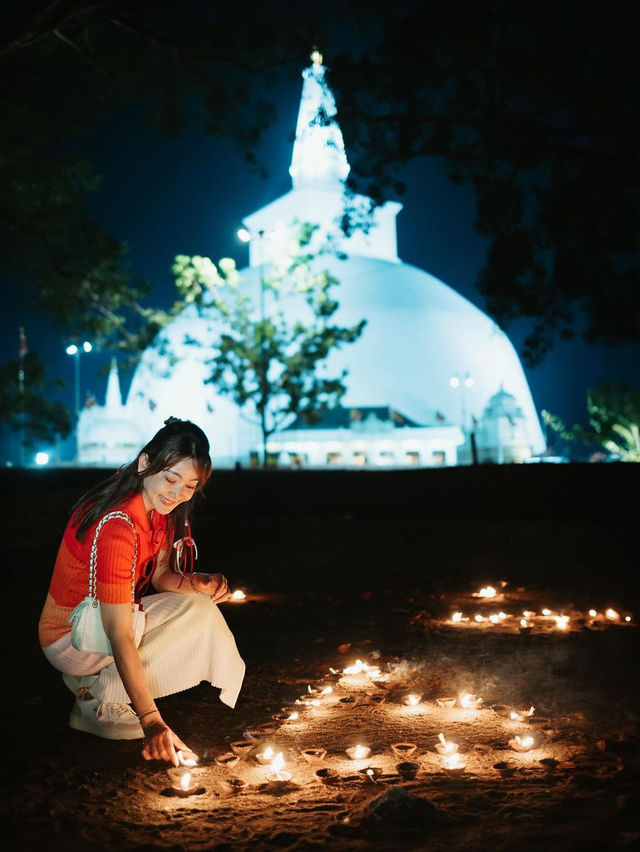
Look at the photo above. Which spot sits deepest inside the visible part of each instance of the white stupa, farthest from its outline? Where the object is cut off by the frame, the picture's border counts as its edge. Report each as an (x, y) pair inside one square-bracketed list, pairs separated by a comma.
[(427, 356)]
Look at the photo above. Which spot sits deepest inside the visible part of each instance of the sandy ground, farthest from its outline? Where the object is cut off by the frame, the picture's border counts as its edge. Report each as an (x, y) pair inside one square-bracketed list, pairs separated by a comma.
[(577, 788)]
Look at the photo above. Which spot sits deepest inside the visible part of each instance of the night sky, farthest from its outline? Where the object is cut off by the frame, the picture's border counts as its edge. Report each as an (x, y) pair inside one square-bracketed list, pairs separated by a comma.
[(189, 195)]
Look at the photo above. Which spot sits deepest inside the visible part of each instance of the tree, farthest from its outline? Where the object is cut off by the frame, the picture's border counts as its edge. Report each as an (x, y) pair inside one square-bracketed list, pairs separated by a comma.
[(614, 421), (25, 405), (533, 106), (267, 360), (72, 69)]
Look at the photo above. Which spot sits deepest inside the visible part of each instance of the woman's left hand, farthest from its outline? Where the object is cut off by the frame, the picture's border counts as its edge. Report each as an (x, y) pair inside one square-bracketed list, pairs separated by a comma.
[(214, 585)]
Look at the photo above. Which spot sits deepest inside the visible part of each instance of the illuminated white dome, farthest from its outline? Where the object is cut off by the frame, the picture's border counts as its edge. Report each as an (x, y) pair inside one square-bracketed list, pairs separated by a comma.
[(420, 334)]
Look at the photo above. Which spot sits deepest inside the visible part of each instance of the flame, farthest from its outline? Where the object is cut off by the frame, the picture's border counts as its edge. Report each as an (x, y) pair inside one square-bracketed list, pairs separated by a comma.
[(278, 762), (502, 615), (457, 616), (546, 611), (360, 752), (412, 700), (454, 761), (293, 716), (185, 781), (469, 700), (478, 618), (593, 613), (612, 614), (327, 690), (362, 668), (525, 742), (187, 761), (524, 623), (494, 619), (562, 622), (238, 595), (487, 592), (442, 739), (268, 753)]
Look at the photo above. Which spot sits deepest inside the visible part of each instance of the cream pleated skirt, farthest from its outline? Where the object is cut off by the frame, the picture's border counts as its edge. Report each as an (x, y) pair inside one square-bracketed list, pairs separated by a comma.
[(186, 641)]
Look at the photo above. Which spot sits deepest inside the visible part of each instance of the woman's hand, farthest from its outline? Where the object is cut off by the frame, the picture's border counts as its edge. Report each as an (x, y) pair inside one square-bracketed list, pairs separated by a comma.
[(161, 743), (214, 585)]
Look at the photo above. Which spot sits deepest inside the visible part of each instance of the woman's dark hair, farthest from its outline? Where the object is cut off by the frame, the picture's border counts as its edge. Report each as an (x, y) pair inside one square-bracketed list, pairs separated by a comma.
[(177, 440)]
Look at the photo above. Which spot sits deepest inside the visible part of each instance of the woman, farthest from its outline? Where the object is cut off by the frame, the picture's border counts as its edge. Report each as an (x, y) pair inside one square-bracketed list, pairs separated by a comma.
[(185, 640)]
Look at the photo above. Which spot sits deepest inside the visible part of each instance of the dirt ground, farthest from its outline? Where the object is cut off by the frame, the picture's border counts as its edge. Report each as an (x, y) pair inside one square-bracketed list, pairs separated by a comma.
[(324, 592)]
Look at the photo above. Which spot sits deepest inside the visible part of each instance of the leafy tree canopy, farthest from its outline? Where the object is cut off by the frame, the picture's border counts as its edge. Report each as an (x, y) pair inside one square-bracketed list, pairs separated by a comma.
[(272, 341), (534, 106), (25, 405)]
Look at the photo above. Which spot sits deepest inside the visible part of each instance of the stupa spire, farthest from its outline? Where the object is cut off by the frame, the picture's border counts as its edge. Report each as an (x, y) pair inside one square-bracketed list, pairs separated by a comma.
[(113, 400), (319, 157)]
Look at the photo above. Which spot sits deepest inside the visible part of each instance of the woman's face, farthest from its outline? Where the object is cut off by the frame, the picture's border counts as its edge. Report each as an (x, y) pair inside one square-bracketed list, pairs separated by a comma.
[(165, 490)]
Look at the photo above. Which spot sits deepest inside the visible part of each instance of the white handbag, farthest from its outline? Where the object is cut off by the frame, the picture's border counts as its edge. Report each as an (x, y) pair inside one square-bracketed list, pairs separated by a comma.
[(87, 630)]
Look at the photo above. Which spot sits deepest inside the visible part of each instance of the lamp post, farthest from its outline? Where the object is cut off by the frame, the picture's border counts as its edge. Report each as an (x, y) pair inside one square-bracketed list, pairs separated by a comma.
[(246, 236), (75, 351), (467, 381)]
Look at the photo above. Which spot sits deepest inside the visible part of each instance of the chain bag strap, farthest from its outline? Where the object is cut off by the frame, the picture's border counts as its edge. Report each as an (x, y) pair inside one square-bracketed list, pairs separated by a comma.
[(87, 630)]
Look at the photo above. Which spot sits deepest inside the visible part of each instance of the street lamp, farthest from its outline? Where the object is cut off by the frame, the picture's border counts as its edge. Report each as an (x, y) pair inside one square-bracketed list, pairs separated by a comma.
[(464, 384), (75, 351)]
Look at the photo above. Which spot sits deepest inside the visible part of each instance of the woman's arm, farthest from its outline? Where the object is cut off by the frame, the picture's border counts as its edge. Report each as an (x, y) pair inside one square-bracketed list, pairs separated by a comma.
[(160, 741), (166, 580)]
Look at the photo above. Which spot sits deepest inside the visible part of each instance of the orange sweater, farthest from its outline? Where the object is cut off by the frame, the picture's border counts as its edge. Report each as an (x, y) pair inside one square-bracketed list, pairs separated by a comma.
[(70, 581)]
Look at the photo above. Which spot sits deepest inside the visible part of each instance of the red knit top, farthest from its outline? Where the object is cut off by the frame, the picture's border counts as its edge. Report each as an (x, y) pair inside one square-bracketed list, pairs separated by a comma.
[(70, 581)]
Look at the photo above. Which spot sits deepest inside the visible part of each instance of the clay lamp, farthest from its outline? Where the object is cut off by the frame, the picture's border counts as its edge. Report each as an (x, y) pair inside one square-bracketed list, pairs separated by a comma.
[(314, 755), (446, 747), (242, 747), (407, 769), (327, 776), (358, 752), (403, 750), (446, 701), (522, 744)]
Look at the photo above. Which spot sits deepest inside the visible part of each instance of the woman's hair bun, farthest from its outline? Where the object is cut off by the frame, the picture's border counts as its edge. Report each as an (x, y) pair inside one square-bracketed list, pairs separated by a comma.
[(171, 420)]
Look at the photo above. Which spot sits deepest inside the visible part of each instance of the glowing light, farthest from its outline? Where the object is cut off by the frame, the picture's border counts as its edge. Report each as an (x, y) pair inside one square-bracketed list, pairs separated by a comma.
[(562, 622), (42, 458), (190, 760), (244, 235), (445, 747), (412, 700), (453, 762), (528, 613), (478, 618), (470, 701), (457, 616), (487, 592), (185, 781), (627, 618), (238, 595), (316, 57), (546, 611), (523, 744), (358, 752), (593, 613), (494, 619), (612, 615), (278, 762)]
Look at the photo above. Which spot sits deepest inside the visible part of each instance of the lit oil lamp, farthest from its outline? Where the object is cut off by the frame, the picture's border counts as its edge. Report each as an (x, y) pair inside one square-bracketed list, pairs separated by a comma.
[(446, 747), (238, 595), (485, 592), (361, 668), (470, 701), (187, 758), (454, 764), (522, 713), (314, 755), (546, 611), (446, 701), (278, 775), (562, 622), (182, 783), (457, 617), (265, 756), (403, 750), (522, 744), (412, 700), (478, 618), (525, 626), (611, 614), (371, 773), (358, 752)]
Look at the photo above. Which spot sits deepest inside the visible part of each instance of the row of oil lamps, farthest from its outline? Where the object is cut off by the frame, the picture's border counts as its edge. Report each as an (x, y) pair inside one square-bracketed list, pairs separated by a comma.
[(545, 618), (355, 675)]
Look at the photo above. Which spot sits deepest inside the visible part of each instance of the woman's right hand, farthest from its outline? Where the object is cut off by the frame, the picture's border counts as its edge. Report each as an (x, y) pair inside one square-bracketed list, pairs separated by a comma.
[(161, 743)]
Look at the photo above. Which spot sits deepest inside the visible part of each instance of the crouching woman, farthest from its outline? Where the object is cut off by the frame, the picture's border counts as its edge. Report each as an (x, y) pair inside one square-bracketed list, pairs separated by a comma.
[(143, 550)]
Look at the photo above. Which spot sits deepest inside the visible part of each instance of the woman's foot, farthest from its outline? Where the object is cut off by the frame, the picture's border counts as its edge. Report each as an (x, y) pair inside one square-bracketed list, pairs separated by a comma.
[(111, 721)]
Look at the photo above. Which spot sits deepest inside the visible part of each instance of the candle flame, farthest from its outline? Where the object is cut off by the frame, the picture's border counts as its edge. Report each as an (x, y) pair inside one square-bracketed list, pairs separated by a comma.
[(525, 742), (593, 613), (546, 611), (442, 739), (612, 614), (192, 760), (562, 622), (360, 751), (454, 761), (457, 616), (524, 623), (293, 716), (478, 618), (185, 781), (278, 762), (238, 595), (412, 700), (268, 753), (469, 700), (494, 619), (327, 690), (487, 592)]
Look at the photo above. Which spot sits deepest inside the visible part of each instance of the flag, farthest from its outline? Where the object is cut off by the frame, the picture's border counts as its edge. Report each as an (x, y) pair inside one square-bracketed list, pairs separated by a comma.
[(23, 343)]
